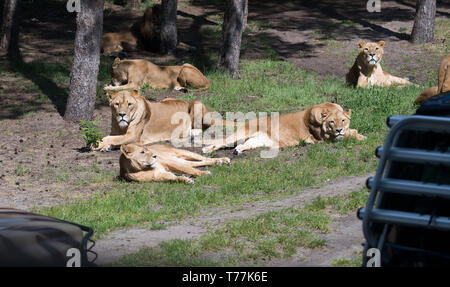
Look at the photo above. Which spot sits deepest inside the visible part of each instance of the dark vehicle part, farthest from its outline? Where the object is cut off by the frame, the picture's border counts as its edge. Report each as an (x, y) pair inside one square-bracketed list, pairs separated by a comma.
[(407, 216), (28, 239)]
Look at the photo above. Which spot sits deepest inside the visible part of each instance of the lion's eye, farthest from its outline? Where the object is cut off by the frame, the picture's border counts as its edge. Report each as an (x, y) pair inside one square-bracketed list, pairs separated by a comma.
[(116, 104), (332, 122), (129, 104), (366, 49), (343, 120), (142, 151), (376, 48)]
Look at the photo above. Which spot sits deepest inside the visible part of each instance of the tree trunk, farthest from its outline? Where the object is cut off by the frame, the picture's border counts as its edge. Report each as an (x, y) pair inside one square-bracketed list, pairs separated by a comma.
[(245, 14), (9, 10), (232, 29), (168, 26), (86, 60), (423, 29), (135, 4)]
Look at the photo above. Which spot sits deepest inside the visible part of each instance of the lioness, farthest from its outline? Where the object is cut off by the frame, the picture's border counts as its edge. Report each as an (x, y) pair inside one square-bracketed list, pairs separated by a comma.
[(367, 71), (133, 74), (112, 43), (144, 32), (326, 121), (443, 82), (134, 119), (158, 162)]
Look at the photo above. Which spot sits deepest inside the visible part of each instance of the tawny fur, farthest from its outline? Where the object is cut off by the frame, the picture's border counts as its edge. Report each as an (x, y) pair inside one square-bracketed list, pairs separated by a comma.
[(136, 120), (326, 121), (443, 82), (367, 71), (161, 162), (142, 33), (133, 74)]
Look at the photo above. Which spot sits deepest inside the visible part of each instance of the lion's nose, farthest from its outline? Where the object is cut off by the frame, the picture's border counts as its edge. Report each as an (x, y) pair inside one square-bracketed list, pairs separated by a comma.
[(122, 114), (372, 55), (338, 130)]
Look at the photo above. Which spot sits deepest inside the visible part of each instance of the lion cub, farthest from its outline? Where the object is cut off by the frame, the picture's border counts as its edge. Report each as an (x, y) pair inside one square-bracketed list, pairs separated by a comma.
[(367, 71), (158, 162)]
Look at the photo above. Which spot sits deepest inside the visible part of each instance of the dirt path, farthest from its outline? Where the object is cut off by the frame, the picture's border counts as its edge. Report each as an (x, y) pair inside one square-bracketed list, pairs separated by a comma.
[(345, 237)]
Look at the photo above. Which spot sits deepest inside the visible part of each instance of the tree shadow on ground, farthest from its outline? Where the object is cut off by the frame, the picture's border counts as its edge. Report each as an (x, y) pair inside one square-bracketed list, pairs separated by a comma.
[(35, 72)]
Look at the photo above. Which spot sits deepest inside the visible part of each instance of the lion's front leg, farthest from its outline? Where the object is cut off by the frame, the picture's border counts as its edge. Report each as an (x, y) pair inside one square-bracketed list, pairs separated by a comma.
[(393, 80), (129, 86), (108, 142), (354, 134), (362, 81)]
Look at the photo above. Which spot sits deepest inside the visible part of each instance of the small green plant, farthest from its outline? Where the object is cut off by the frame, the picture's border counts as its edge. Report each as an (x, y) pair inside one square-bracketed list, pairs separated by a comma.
[(90, 133)]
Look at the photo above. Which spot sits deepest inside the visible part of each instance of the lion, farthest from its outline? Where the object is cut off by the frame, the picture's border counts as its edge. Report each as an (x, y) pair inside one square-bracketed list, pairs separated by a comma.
[(326, 121), (159, 162), (143, 33), (133, 74), (443, 82), (367, 71), (136, 120), (113, 43)]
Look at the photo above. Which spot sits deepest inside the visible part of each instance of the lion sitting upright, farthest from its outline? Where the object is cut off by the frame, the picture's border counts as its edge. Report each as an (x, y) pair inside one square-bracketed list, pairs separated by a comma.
[(326, 121), (443, 83), (159, 162), (367, 71)]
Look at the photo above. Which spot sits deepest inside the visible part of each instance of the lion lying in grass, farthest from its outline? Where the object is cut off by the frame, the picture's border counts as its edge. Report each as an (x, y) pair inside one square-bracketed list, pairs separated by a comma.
[(133, 74), (136, 120), (326, 121), (367, 71), (443, 83), (159, 162)]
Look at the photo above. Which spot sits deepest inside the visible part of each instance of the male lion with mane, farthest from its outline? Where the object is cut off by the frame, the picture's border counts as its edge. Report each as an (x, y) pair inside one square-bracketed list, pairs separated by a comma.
[(367, 71), (133, 74), (159, 162), (326, 121)]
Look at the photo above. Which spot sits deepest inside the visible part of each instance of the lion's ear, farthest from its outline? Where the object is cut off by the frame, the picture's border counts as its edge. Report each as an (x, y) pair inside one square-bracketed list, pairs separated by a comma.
[(318, 115), (361, 45), (135, 92), (116, 62), (111, 95), (382, 44), (125, 151), (348, 113)]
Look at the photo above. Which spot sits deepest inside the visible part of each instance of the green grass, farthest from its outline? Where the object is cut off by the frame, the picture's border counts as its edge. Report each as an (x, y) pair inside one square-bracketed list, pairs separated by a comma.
[(347, 262), (255, 240), (264, 85), (270, 235)]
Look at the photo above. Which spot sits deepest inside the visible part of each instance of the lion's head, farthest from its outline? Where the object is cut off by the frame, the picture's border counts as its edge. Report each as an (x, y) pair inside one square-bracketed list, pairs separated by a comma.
[(334, 122), (371, 52), (119, 74), (124, 106), (140, 158)]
